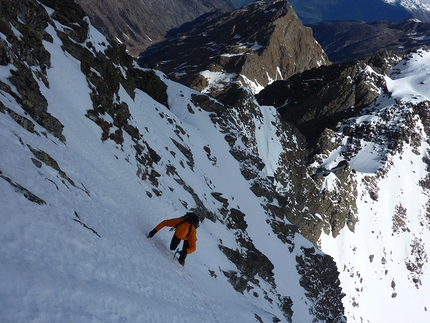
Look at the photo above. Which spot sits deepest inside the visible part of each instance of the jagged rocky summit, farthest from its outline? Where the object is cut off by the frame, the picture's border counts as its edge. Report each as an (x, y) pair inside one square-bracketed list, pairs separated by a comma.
[(139, 24), (253, 46)]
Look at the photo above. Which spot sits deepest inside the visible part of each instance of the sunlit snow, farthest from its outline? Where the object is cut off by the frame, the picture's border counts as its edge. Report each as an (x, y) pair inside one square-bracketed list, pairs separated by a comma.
[(83, 256), (372, 260)]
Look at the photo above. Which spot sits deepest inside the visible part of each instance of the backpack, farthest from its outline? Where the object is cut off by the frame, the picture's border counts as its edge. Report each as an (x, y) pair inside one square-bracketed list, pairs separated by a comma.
[(191, 218)]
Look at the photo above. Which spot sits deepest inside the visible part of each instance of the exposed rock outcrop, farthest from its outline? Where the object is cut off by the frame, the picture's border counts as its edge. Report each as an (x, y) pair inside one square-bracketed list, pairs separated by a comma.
[(34, 62), (317, 270), (319, 98)]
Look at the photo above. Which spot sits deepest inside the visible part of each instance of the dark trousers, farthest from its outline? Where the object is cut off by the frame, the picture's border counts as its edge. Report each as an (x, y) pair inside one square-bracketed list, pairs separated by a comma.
[(175, 242)]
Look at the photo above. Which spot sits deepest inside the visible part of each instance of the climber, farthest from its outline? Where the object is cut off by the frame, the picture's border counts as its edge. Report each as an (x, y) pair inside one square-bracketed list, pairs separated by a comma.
[(185, 229)]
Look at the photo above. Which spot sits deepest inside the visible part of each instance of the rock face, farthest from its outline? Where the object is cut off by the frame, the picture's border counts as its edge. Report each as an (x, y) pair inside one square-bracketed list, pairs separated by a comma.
[(255, 45), (349, 40), (36, 60), (139, 24), (316, 102), (285, 195), (320, 98)]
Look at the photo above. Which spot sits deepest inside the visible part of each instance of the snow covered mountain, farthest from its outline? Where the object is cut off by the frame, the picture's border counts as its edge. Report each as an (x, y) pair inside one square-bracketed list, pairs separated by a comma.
[(383, 256), (96, 151), (420, 9), (392, 164)]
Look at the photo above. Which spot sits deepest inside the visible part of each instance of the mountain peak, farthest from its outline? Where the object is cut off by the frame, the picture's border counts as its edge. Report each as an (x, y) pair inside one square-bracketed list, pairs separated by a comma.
[(254, 45)]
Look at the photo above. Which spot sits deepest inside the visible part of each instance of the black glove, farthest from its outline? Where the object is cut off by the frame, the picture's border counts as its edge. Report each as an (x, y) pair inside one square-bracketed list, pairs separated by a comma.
[(182, 256), (151, 234)]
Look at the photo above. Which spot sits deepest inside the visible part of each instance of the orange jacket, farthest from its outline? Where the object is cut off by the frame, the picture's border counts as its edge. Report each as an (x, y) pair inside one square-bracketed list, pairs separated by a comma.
[(181, 231)]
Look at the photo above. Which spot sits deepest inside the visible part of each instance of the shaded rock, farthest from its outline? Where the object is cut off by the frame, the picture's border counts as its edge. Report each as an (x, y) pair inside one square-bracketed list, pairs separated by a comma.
[(22, 190), (51, 162), (322, 97), (206, 103), (250, 262), (30, 60), (319, 277)]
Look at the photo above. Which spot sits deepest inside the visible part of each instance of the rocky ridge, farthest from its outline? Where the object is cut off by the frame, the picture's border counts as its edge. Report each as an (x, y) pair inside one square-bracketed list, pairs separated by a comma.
[(254, 45), (337, 92), (139, 24)]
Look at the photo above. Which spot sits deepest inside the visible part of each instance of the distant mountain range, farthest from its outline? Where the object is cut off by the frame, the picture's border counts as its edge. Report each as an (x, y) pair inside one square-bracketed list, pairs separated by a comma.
[(140, 24), (347, 40), (312, 11)]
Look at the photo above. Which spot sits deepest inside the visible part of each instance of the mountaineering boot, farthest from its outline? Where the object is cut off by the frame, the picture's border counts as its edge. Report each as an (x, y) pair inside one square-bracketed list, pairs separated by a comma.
[(182, 256)]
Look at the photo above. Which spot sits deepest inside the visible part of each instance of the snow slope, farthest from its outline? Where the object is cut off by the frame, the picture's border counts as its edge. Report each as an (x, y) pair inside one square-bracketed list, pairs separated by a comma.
[(80, 254)]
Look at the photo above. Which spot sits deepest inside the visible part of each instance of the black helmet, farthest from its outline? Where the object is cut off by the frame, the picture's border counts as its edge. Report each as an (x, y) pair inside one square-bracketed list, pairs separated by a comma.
[(192, 218)]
